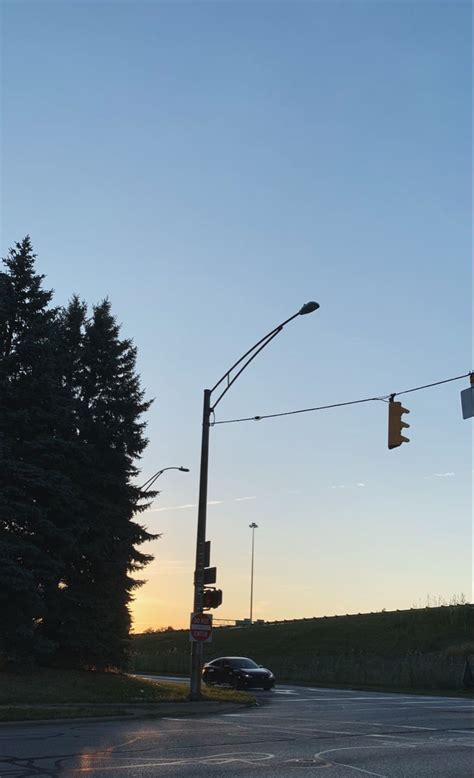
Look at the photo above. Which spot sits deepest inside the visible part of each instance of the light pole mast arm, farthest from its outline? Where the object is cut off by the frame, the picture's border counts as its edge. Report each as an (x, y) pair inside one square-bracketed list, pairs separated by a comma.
[(149, 483), (256, 349)]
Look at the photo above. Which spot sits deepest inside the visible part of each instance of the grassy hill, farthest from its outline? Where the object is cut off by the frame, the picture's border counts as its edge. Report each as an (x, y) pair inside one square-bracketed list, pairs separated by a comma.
[(418, 647)]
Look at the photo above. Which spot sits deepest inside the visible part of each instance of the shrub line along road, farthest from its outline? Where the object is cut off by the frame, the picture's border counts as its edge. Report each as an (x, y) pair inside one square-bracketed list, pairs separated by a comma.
[(294, 728)]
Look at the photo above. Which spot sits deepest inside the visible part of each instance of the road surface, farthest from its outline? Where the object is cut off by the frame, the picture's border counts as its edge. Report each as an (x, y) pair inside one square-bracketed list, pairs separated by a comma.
[(293, 730)]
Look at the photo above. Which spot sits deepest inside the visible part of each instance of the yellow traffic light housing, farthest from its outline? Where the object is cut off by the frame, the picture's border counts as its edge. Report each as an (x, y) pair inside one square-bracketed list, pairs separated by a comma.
[(396, 424)]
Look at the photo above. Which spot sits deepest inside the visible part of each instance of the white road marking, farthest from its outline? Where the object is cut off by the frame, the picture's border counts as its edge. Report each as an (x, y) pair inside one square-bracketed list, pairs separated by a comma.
[(126, 743), (293, 699), (400, 737), (360, 748), (398, 700), (389, 724), (344, 699), (429, 703), (462, 731), (385, 724), (215, 759), (357, 748), (194, 721), (410, 726), (310, 730), (262, 715), (285, 691)]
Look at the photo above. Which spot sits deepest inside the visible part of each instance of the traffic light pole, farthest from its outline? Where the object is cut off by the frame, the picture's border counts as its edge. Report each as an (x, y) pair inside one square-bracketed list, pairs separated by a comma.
[(196, 647), (228, 379)]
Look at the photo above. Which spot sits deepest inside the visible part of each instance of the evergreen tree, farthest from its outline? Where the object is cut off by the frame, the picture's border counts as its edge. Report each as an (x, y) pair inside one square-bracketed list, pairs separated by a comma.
[(69, 344), (70, 434), (35, 495), (109, 405)]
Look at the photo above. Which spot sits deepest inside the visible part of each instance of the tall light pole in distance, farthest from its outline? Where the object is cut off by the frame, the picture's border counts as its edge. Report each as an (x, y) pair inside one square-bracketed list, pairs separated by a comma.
[(253, 527)]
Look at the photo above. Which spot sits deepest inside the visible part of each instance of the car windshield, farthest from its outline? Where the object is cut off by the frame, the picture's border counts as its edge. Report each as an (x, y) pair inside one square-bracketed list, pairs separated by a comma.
[(246, 664)]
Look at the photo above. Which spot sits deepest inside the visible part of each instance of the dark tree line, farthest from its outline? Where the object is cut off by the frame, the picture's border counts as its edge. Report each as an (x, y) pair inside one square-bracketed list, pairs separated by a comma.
[(71, 432)]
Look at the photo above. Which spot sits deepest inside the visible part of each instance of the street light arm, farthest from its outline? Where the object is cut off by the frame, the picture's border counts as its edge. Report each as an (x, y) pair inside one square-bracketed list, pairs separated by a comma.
[(264, 342), (252, 352), (275, 330), (150, 481), (148, 484)]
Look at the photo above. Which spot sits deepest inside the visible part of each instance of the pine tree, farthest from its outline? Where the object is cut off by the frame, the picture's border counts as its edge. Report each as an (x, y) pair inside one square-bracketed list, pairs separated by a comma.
[(109, 406), (70, 435), (69, 347), (35, 495)]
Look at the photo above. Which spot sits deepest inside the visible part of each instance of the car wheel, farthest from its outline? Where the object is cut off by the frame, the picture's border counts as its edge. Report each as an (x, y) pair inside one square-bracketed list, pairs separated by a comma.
[(239, 685), (267, 686)]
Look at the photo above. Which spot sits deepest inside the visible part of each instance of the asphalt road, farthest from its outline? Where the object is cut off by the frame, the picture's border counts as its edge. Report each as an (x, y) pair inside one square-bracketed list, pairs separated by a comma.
[(294, 730)]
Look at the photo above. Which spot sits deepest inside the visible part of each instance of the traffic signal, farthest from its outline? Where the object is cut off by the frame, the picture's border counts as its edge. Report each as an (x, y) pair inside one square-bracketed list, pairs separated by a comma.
[(396, 424), (211, 598)]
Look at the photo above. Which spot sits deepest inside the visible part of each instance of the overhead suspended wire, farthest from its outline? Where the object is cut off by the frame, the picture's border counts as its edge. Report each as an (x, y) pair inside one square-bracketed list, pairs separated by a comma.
[(436, 383), (381, 398)]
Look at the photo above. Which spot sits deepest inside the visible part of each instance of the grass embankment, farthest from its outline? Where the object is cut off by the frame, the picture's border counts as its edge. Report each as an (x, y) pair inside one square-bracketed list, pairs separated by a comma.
[(52, 693), (418, 648)]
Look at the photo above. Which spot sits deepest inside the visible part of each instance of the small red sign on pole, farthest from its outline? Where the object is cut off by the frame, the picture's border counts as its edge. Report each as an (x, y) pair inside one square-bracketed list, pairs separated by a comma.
[(201, 628)]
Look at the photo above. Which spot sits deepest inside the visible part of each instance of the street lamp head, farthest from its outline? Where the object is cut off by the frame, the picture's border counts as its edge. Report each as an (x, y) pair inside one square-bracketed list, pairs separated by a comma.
[(184, 469), (308, 308)]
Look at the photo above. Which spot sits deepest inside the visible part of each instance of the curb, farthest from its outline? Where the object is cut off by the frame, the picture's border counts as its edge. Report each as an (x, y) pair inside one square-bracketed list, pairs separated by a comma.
[(159, 710)]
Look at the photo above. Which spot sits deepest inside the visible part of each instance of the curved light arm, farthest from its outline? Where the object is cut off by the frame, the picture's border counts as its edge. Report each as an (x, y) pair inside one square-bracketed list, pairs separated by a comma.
[(256, 349), (149, 483)]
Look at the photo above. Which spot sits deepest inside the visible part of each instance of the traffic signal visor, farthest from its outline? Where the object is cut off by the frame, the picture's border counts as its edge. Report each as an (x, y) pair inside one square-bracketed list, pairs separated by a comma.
[(396, 424)]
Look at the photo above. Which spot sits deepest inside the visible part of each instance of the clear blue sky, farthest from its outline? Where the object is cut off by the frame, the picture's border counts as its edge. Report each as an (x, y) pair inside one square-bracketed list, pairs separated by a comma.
[(210, 166)]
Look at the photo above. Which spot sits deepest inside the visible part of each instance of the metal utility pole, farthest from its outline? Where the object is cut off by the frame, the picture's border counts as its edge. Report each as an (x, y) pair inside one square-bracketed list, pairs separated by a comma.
[(253, 527), (196, 648), (208, 408)]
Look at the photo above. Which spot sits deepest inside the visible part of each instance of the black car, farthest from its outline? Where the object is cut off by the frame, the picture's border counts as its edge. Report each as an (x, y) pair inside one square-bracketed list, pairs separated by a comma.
[(237, 671)]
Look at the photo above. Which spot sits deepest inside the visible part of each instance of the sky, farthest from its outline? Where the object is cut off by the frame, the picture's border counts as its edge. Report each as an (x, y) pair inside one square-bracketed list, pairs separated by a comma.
[(210, 167)]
